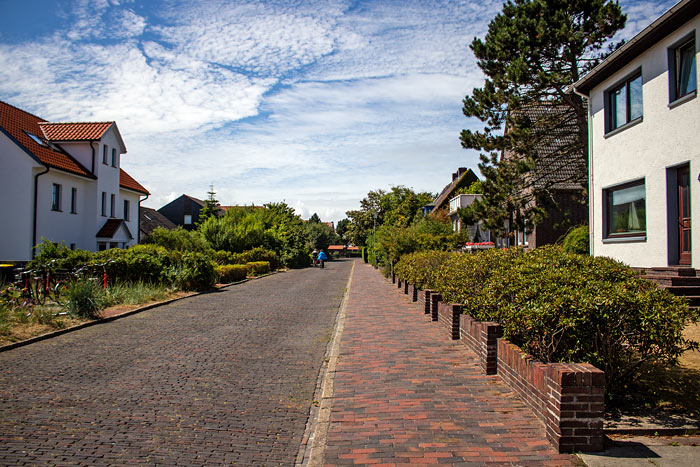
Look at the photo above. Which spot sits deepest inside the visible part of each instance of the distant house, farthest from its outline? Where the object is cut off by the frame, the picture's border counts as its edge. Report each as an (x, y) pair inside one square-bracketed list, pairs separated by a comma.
[(560, 174), (63, 182), (644, 125), (463, 178), (151, 220), (476, 232), (183, 211)]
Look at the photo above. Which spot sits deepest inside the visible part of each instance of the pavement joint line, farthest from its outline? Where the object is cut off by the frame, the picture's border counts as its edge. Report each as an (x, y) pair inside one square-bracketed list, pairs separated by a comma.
[(312, 452), (108, 319)]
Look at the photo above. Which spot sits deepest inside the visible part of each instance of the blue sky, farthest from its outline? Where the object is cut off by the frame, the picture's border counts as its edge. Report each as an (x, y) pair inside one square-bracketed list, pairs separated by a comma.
[(311, 102)]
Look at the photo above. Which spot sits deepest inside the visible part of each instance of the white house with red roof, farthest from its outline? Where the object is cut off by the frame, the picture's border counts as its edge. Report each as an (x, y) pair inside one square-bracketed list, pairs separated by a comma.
[(63, 182)]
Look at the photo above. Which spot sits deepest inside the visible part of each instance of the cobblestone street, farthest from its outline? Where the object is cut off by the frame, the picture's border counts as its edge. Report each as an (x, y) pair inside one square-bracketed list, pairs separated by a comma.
[(220, 378)]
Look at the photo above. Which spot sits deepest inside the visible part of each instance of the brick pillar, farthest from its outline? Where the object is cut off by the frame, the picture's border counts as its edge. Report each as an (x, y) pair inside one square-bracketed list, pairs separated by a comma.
[(435, 298)]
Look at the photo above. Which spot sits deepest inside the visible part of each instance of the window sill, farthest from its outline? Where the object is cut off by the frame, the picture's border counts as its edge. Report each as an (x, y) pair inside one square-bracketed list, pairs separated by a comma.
[(56, 210), (635, 239), (682, 100), (73, 212), (627, 125)]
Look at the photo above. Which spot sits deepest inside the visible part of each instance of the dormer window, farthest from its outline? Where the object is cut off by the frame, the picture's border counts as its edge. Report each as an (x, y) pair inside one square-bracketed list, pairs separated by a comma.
[(114, 157), (104, 155)]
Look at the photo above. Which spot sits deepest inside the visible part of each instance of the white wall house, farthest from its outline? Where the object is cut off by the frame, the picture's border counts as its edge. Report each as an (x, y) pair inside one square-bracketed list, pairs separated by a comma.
[(644, 145), (476, 232), (63, 182)]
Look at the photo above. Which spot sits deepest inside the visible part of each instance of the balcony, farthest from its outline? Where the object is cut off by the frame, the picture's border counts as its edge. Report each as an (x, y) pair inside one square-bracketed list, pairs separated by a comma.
[(462, 201)]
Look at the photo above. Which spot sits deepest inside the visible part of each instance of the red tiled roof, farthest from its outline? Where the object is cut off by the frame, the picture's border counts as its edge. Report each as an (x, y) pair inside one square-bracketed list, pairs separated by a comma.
[(127, 181), (336, 247), (74, 131), (110, 228), (17, 123)]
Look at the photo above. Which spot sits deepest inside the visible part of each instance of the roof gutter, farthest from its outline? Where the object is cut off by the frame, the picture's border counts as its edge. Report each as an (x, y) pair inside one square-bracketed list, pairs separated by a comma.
[(36, 189)]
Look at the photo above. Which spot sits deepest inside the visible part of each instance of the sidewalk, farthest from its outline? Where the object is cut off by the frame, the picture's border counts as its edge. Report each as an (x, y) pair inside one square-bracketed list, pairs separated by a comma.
[(407, 395)]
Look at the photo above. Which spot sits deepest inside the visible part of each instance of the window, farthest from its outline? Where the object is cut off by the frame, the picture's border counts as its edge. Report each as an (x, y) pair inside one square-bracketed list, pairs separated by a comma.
[(104, 154), (188, 219), (126, 209), (114, 157), (101, 246), (56, 197), (683, 78), (104, 204), (73, 200), (111, 205), (625, 210), (624, 102)]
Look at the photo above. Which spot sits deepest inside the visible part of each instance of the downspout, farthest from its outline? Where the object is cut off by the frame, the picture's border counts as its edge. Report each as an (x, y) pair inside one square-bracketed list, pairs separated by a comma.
[(591, 194), (92, 148), (138, 220), (36, 189)]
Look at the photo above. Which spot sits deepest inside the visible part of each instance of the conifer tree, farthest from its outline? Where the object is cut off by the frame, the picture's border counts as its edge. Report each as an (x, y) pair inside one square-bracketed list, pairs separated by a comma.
[(211, 206), (535, 129)]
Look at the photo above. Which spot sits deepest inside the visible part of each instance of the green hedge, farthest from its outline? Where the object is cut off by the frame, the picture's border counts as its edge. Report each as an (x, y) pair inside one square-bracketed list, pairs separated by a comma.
[(421, 268), (565, 307), (141, 263), (576, 241), (258, 268), (256, 254), (231, 273)]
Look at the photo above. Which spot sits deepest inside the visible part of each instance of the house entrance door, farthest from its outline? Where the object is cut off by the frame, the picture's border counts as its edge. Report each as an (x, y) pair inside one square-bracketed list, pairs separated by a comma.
[(683, 178)]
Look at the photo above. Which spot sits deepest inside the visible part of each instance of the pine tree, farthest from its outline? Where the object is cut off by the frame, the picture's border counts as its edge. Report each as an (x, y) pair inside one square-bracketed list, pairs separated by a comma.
[(535, 133), (211, 206)]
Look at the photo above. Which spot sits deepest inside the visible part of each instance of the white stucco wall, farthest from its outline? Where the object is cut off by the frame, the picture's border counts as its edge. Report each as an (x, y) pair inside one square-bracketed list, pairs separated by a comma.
[(64, 226), (666, 137), (133, 222), (16, 200)]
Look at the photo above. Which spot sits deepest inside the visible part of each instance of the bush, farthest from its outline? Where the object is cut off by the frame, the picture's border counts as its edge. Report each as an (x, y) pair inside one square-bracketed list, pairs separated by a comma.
[(261, 254), (178, 239), (86, 299), (193, 271), (420, 268), (231, 273), (576, 241), (258, 268), (563, 307)]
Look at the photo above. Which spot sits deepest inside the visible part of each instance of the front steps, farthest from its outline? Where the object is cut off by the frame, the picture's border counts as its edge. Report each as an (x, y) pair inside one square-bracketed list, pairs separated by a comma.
[(680, 281)]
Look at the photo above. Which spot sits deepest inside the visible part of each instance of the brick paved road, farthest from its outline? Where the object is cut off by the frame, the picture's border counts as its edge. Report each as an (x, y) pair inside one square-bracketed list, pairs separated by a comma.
[(221, 378), (405, 394)]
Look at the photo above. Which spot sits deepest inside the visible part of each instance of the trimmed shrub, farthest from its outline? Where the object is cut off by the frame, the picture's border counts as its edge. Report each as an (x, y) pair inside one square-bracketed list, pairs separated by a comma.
[(178, 239), (258, 268), (231, 273), (261, 254), (576, 241), (421, 268)]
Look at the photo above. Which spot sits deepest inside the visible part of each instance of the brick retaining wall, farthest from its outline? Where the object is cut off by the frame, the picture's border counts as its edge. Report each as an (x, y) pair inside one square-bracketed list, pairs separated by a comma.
[(448, 316), (482, 338), (413, 292), (567, 397), (424, 299)]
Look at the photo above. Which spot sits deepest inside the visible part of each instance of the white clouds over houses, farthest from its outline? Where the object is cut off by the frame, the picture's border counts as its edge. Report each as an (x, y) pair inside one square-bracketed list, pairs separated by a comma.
[(314, 102)]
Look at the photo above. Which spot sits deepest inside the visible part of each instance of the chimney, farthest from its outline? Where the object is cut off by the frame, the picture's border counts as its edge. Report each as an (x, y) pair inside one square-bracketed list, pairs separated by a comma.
[(460, 171), (454, 177)]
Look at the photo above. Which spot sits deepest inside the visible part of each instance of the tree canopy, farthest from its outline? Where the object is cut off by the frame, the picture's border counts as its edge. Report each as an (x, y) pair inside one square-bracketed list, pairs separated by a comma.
[(535, 137)]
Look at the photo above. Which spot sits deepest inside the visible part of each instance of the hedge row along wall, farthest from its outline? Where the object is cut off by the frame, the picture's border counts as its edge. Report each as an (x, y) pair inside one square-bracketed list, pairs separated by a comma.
[(569, 398)]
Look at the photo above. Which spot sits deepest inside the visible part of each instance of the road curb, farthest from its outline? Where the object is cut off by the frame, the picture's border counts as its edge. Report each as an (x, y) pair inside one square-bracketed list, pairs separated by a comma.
[(313, 445), (108, 319)]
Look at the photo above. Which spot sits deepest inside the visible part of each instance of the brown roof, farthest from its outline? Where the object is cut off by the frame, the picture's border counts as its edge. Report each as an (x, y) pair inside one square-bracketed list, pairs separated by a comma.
[(561, 163), (110, 228), (127, 181), (74, 131), (18, 124), (151, 219), (465, 178)]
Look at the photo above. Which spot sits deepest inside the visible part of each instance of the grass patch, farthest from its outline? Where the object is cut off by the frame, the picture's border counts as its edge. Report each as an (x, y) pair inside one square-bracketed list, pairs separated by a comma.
[(86, 300)]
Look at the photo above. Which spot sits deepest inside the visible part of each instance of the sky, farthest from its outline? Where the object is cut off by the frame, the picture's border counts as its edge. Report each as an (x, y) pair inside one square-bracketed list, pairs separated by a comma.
[(311, 102)]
